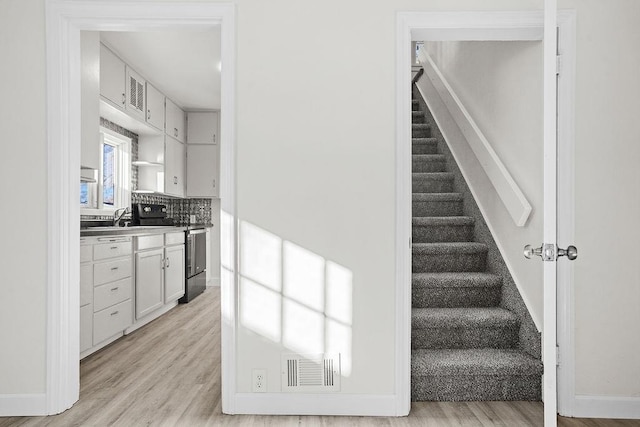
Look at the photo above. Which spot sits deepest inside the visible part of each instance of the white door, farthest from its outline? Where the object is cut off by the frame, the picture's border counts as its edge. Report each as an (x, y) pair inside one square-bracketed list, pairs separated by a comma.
[(549, 251), (112, 77), (202, 170)]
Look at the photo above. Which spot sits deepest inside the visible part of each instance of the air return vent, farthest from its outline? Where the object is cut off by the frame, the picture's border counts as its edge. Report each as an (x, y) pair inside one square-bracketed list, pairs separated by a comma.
[(310, 372)]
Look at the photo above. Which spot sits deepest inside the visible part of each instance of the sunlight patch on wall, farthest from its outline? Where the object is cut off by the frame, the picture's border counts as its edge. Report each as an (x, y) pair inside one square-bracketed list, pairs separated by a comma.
[(293, 296)]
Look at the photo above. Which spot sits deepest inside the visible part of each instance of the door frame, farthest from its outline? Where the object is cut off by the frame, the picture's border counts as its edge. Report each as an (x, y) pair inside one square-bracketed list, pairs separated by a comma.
[(491, 25), (64, 21)]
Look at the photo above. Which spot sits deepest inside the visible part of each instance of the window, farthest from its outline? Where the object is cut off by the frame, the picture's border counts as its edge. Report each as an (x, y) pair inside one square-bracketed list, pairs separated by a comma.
[(112, 189)]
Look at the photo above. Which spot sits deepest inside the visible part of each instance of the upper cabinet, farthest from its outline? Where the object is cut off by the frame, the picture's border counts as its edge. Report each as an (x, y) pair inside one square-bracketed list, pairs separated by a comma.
[(155, 107), (136, 99), (112, 78), (202, 127), (175, 121), (90, 100)]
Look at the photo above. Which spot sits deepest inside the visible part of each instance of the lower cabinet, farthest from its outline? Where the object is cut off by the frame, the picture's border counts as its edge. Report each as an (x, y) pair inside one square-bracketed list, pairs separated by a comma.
[(174, 273), (149, 281), (111, 321)]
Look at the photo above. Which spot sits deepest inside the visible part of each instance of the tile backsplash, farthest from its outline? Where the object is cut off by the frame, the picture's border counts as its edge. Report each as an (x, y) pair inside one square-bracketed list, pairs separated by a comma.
[(178, 209)]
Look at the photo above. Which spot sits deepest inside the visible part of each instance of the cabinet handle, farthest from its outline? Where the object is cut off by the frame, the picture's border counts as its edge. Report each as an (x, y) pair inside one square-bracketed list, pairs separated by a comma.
[(115, 289), (175, 179), (214, 138), (175, 132), (114, 268), (168, 263), (214, 183), (114, 247), (162, 264), (148, 114), (124, 99), (115, 312)]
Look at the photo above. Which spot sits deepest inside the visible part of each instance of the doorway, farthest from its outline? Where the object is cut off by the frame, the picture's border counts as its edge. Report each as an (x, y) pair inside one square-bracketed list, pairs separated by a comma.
[(65, 21), (481, 26)]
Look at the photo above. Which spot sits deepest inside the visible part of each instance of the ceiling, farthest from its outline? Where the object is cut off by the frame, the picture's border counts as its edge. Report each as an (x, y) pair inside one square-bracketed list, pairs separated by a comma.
[(184, 65)]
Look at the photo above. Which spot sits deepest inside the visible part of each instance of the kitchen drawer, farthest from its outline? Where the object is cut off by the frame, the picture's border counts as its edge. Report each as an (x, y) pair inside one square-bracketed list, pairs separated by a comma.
[(149, 242), (111, 321), (86, 328), (112, 293), (86, 284), (86, 253), (110, 271), (111, 250), (174, 238)]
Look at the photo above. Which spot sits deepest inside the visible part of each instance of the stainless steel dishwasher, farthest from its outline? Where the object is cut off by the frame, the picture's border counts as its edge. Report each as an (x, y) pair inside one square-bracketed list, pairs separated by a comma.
[(196, 262)]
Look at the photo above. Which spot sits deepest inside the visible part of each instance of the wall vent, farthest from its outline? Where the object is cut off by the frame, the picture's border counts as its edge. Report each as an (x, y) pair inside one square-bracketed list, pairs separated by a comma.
[(310, 372)]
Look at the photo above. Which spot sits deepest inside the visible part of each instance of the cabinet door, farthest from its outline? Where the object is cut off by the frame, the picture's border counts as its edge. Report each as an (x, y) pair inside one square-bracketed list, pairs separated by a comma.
[(202, 170), (136, 99), (90, 101), (149, 282), (86, 284), (174, 165), (175, 121), (174, 273), (202, 127), (155, 107), (112, 77), (86, 327)]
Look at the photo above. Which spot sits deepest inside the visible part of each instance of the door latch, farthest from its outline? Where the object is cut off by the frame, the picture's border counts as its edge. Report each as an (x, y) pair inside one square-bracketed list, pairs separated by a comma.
[(550, 252)]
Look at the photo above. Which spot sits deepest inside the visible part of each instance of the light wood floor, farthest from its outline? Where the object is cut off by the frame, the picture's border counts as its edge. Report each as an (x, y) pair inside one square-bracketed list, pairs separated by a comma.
[(168, 374)]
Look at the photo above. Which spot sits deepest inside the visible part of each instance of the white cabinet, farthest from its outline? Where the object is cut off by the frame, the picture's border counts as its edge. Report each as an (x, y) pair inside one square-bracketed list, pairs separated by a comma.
[(149, 281), (202, 170), (160, 273), (136, 98), (174, 167), (174, 272), (155, 107), (202, 127), (105, 290), (90, 100), (175, 121), (112, 78)]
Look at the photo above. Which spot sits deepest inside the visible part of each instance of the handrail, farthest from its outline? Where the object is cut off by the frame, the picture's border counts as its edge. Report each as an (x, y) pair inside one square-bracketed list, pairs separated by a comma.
[(417, 76), (507, 189)]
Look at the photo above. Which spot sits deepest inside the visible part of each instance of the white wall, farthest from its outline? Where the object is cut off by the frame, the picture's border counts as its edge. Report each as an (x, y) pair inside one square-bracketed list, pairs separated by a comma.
[(315, 137), (500, 85), (23, 190)]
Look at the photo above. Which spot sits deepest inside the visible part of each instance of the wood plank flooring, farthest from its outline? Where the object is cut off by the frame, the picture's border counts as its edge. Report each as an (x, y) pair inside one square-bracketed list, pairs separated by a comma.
[(168, 374)]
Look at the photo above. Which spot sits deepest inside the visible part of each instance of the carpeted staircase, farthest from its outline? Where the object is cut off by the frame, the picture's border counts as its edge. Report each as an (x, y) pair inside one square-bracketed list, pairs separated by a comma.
[(465, 343)]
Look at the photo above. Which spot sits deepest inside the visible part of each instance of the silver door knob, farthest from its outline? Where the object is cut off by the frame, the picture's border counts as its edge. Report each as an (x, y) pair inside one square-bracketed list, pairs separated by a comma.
[(530, 251), (571, 252)]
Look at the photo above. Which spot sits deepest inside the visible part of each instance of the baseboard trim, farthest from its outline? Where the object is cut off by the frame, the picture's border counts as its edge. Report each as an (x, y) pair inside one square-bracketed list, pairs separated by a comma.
[(606, 407), (316, 404), (13, 405)]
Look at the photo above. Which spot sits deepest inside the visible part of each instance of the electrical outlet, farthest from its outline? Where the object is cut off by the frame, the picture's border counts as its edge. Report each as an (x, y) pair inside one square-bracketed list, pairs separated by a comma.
[(259, 381)]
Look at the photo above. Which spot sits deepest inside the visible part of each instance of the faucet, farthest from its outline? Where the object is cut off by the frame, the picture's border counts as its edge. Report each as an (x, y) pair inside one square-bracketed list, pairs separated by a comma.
[(118, 217)]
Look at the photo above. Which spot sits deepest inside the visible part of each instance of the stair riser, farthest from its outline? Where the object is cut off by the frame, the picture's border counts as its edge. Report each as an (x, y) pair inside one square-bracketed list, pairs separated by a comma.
[(415, 106), (453, 262), (437, 208), (421, 185), (442, 233), (418, 165), (455, 297), (417, 117), (465, 337), (459, 388), (431, 148), (421, 132)]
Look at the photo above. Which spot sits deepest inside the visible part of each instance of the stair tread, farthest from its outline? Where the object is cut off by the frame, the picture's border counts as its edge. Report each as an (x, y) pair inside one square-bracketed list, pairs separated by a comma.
[(436, 197), (449, 247), (436, 176), (476, 317), (466, 362), (421, 125), (429, 157), (456, 280), (442, 220), (419, 141)]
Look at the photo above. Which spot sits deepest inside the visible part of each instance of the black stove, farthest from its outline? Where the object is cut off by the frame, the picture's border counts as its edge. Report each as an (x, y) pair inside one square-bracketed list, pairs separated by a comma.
[(150, 214)]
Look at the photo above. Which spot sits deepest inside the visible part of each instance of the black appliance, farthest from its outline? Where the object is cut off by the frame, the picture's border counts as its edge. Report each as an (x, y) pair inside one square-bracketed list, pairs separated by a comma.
[(196, 263), (150, 214)]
